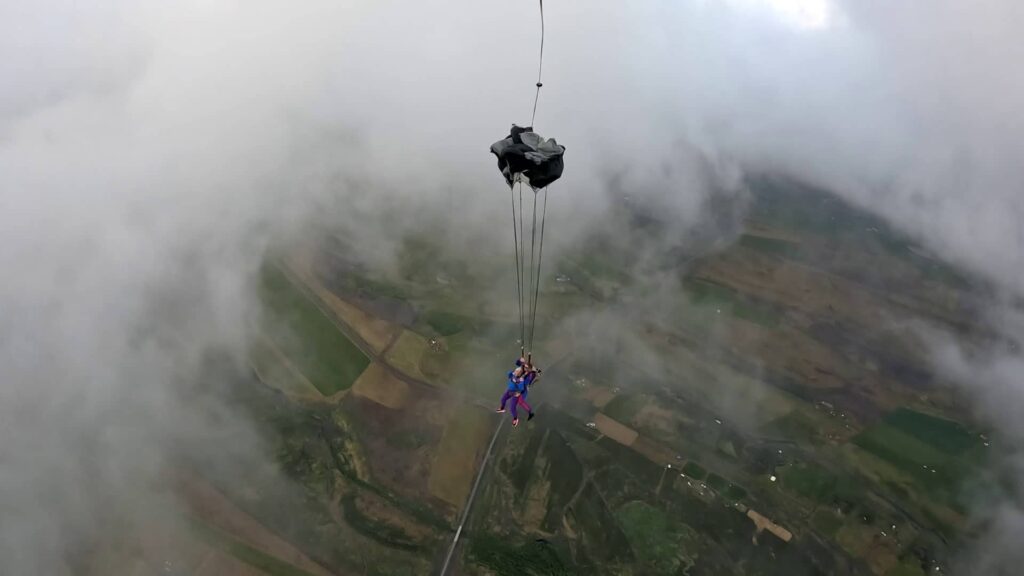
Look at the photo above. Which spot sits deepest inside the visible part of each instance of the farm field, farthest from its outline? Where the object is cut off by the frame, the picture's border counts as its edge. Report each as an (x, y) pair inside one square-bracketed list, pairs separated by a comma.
[(762, 419)]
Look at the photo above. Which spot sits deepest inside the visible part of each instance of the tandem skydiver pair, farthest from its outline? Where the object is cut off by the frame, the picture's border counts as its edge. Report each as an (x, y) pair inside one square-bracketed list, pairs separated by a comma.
[(519, 381)]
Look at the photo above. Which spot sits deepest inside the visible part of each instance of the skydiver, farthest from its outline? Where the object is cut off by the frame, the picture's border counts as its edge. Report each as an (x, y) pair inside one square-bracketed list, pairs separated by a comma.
[(532, 373), (517, 390), (526, 370), (524, 365)]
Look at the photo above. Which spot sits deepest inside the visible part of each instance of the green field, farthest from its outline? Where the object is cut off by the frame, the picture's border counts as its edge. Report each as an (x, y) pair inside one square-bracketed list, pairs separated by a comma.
[(808, 480), (565, 473), (717, 483), (447, 323), (940, 455), (507, 559), (520, 474), (709, 294), (694, 470), (735, 493), (653, 535), (802, 426), (374, 288), (603, 540), (559, 497), (944, 435), (625, 406), (826, 522), (907, 568), (308, 337)]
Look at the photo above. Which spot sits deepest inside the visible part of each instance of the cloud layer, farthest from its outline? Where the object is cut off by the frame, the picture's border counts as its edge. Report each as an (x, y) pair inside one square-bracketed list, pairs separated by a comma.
[(149, 152)]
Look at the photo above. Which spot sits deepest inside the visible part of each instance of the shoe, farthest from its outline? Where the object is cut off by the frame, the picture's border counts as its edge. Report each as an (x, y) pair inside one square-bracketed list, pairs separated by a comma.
[(530, 417), (500, 410), (515, 422)]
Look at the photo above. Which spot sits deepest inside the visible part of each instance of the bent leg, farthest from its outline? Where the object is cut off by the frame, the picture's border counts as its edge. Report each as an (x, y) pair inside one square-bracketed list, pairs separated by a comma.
[(522, 402)]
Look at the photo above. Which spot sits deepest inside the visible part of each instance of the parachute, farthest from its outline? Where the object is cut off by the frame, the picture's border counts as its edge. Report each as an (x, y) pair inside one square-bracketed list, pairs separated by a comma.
[(526, 157)]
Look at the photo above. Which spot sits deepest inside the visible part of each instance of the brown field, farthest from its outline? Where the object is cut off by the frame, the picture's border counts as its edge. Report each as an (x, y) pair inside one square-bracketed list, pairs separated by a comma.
[(881, 552), (218, 563), (171, 542), (378, 384), (407, 352), (620, 433), (744, 397), (216, 510), (755, 228), (793, 352), (795, 286), (764, 523), (398, 445), (145, 551), (652, 450), (599, 396), (661, 421), (377, 333), (464, 440)]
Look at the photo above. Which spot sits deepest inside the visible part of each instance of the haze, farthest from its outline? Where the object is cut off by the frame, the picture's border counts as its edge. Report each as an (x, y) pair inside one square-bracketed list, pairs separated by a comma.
[(151, 152)]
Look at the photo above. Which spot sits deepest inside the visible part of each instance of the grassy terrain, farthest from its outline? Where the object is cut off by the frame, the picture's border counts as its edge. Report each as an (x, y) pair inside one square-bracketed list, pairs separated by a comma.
[(935, 452), (729, 301), (624, 407), (565, 474), (772, 246), (808, 480), (383, 532), (601, 536), (653, 535), (276, 371), (324, 458), (407, 354), (464, 439), (242, 551), (735, 493), (322, 353), (507, 559), (944, 435), (727, 381), (447, 323), (694, 470), (717, 483)]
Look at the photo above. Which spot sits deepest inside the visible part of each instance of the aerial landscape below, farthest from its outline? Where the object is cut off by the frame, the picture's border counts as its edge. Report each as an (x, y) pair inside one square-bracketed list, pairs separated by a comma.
[(464, 288), (769, 419)]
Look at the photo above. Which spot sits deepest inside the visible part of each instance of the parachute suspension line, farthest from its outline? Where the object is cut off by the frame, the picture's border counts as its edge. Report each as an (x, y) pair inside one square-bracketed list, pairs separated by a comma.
[(522, 274), (540, 255), (528, 295), (519, 280), (532, 305), (540, 65)]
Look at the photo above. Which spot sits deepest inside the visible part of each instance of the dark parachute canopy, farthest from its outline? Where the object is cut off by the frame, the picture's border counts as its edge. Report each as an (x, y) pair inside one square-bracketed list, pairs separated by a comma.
[(529, 157)]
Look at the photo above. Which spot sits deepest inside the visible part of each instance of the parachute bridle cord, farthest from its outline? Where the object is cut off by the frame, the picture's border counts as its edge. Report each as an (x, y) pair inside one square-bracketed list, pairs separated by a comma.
[(540, 65)]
